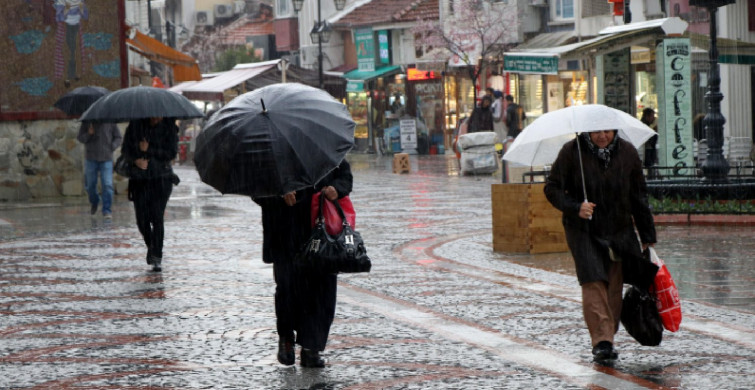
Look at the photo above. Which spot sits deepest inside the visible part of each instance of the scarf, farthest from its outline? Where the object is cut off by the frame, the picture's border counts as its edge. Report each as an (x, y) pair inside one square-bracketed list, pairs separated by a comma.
[(603, 154)]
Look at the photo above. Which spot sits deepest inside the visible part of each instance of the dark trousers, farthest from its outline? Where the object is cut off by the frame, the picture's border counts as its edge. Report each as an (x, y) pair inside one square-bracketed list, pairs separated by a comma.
[(150, 198), (305, 303)]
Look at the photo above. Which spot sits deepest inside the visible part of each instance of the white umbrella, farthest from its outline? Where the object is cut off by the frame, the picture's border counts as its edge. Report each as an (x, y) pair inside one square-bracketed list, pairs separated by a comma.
[(540, 142)]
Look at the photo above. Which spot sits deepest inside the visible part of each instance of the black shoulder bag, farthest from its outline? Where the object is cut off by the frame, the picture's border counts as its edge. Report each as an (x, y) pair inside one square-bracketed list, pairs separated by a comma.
[(123, 167), (344, 253)]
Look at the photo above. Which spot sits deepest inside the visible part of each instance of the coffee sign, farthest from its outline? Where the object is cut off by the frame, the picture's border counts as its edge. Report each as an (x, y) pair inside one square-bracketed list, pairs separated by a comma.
[(675, 114)]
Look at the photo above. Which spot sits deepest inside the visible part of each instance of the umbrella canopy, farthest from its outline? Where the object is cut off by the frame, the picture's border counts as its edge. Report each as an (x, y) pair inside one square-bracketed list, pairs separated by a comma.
[(540, 142), (141, 102), (77, 101), (273, 140)]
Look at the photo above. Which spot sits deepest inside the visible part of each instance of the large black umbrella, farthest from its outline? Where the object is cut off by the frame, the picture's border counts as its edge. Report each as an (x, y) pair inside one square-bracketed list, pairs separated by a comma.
[(276, 139), (80, 99), (138, 103)]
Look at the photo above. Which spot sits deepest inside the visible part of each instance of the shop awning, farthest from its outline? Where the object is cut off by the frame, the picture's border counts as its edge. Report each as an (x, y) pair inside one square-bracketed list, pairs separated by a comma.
[(185, 67), (355, 79), (548, 40), (546, 60), (212, 89), (730, 51)]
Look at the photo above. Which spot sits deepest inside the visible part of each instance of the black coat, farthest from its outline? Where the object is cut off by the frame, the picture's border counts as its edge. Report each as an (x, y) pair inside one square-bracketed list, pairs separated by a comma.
[(163, 148), (620, 194), (480, 120), (287, 228)]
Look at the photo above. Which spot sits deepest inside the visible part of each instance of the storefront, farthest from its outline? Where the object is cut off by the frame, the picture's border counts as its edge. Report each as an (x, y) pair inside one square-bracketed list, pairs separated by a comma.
[(425, 102), (458, 90), (367, 99)]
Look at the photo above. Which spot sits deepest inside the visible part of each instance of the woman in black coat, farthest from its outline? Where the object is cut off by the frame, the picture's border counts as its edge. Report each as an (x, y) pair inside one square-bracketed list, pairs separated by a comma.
[(305, 303), (151, 145), (601, 232)]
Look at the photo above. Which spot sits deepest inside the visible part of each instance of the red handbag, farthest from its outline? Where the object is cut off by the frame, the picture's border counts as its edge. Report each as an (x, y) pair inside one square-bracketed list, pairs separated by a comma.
[(666, 295), (333, 223)]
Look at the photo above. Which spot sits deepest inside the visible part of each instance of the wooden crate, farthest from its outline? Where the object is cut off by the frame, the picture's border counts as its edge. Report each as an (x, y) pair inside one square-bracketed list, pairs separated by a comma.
[(524, 220), (401, 163)]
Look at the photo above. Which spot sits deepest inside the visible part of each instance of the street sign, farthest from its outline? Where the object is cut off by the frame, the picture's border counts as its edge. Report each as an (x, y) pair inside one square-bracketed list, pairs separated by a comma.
[(408, 131)]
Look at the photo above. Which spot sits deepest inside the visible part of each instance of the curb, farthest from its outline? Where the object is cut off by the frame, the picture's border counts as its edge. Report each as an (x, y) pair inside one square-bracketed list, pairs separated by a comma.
[(705, 219)]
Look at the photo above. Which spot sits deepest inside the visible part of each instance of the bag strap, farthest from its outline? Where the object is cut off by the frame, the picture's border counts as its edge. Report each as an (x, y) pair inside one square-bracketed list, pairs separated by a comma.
[(338, 208)]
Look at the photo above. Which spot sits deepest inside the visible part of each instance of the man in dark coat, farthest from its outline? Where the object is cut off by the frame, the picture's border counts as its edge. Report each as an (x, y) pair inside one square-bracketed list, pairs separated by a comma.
[(601, 232), (515, 117), (482, 116), (305, 303)]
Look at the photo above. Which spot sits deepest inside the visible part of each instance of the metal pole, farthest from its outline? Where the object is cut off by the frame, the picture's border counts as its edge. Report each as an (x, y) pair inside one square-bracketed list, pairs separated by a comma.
[(715, 168), (149, 16), (319, 44)]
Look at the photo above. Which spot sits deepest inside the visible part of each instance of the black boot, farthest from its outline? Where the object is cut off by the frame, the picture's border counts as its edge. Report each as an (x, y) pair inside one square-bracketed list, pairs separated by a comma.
[(310, 358), (604, 351), (286, 354), (157, 264)]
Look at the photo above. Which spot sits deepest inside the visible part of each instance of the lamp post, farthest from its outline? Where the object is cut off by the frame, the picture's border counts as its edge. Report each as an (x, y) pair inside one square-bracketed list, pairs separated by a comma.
[(320, 33), (715, 168)]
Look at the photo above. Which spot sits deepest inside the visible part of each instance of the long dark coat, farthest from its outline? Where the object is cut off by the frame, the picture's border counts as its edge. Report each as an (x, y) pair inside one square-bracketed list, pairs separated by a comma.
[(287, 228), (163, 147), (305, 302), (620, 194)]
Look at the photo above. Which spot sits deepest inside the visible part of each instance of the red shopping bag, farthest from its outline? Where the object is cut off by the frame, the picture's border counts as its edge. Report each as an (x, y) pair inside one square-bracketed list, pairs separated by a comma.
[(333, 221), (666, 295)]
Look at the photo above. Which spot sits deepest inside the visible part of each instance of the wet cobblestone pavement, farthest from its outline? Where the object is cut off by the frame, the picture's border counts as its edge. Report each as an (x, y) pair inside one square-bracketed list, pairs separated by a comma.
[(80, 309)]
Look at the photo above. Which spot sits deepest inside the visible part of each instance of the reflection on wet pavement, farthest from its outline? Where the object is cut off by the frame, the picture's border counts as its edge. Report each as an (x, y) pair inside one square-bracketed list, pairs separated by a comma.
[(439, 310)]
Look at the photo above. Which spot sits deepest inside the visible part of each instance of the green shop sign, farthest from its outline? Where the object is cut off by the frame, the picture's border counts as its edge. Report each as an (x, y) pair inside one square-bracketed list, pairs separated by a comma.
[(365, 46), (354, 85), (530, 64)]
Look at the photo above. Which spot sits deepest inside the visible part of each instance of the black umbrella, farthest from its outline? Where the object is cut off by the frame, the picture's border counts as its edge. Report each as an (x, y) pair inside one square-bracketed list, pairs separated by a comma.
[(276, 139), (139, 103), (78, 100)]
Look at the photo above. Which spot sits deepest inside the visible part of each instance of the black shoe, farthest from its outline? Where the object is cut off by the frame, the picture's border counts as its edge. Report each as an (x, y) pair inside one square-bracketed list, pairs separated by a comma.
[(310, 358), (286, 355), (604, 351), (93, 209), (149, 256), (156, 264)]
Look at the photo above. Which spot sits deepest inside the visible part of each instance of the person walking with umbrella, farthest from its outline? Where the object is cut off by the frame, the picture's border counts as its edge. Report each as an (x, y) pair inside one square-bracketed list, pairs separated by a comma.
[(602, 233), (151, 145), (279, 145), (100, 141), (305, 302)]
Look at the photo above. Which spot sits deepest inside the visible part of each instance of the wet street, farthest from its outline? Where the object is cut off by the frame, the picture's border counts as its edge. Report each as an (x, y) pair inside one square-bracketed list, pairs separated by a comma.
[(80, 308)]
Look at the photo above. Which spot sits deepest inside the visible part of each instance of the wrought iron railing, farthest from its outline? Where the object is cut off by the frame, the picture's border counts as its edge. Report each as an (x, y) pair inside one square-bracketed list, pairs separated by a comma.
[(673, 191)]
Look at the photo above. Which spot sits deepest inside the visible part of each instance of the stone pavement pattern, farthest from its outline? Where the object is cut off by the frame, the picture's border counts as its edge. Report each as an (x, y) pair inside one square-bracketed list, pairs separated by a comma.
[(440, 310)]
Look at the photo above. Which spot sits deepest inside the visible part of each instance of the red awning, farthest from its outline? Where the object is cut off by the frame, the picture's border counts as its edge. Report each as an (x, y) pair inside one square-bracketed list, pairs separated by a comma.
[(185, 67)]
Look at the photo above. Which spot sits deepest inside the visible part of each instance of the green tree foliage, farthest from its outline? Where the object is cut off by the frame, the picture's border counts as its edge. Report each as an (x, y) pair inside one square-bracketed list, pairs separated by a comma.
[(229, 58)]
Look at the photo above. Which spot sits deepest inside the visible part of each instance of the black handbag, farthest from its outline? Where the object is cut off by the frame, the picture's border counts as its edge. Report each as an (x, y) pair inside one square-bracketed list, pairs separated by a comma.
[(123, 167), (344, 253), (640, 317)]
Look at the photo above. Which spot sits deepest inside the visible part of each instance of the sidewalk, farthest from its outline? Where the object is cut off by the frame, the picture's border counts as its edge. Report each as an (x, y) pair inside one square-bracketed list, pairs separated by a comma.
[(440, 310)]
